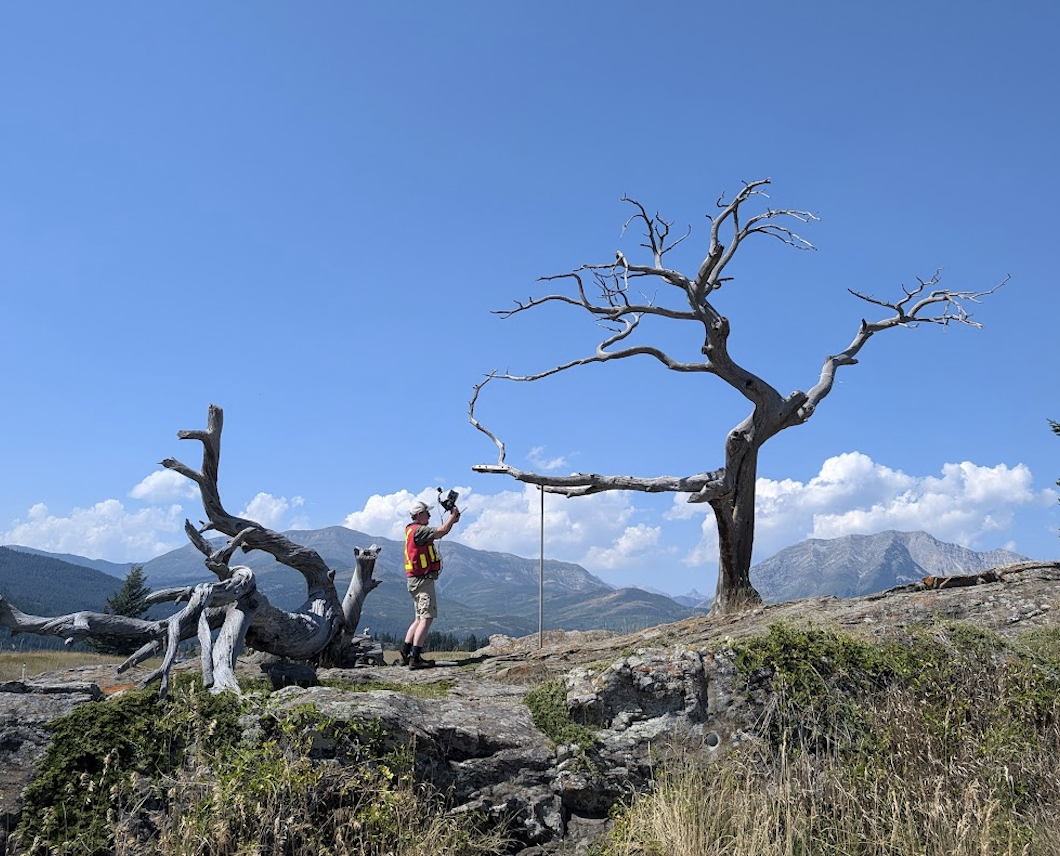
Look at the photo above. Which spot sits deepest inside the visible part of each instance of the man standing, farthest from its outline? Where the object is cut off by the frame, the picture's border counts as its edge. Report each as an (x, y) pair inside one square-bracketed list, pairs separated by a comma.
[(422, 566)]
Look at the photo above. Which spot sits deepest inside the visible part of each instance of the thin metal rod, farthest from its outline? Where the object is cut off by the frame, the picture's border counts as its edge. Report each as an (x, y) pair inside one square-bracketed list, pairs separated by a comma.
[(541, 578)]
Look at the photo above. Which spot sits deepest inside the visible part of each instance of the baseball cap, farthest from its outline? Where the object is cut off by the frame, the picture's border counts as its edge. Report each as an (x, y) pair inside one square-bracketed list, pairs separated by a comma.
[(417, 507)]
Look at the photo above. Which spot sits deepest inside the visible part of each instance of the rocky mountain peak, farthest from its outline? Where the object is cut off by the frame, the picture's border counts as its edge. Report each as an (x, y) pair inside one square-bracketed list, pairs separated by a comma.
[(854, 565)]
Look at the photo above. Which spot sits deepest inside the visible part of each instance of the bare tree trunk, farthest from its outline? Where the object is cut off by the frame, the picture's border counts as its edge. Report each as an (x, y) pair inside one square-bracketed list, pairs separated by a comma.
[(734, 513), (80, 625), (361, 583)]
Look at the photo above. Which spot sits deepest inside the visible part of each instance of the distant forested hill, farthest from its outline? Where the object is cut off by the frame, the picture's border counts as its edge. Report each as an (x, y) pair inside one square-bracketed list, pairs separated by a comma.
[(41, 585)]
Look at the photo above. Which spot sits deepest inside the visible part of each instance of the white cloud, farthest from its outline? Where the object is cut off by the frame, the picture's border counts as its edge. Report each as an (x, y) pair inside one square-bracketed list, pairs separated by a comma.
[(594, 531), (968, 504), (536, 457), (273, 512), (164, 486), (107, 530), (633, 546), (510, 522), (965, 504), (386, 516), (705, 553), (623, 537)]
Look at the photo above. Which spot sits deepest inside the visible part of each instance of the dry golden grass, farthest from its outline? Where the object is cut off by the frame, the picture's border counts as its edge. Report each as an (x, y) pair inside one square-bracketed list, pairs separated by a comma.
[(733, 809), (961, 760), (15, 665)]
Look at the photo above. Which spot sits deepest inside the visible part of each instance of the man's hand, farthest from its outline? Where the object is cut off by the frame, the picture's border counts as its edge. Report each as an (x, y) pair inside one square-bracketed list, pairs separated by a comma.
[(450, 522)]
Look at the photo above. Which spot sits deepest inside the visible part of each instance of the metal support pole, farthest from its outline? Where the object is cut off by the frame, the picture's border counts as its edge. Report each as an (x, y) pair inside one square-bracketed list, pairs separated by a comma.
[(541, 578)]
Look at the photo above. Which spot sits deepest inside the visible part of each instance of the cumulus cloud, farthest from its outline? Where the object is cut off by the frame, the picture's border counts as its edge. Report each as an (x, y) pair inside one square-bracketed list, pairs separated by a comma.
[(634, 545), (705, 553), (386, 516), (511, 522), (595, 531), (110, 530), (614, 534), (107, 530), (967, 504), (164, 486), (274, 512)]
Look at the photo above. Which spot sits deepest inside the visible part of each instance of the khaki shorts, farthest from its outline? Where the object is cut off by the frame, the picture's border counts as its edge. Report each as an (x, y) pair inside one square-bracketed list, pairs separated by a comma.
[(423, 596)]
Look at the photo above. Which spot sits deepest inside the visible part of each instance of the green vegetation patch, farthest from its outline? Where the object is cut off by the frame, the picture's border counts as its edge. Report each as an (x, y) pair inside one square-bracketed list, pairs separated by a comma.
[(99, 753), (942, 742), (216, 774), (969, 684), (548, 708), (820, 678)]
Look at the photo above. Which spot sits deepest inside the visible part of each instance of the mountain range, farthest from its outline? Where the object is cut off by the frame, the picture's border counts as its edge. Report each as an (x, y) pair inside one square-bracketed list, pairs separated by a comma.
[(483, 592), (480, 592), (854, 565)]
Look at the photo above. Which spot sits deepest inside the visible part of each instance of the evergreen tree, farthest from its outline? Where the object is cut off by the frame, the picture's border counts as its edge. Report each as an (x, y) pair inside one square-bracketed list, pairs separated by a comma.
[(131, 600)]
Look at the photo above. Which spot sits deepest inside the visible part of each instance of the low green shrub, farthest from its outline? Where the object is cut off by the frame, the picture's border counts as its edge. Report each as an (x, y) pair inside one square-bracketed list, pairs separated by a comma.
[(213, 775), (548, 708)]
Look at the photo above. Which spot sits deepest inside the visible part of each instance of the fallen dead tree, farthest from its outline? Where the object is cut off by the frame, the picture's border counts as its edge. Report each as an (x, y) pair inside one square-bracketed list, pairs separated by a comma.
[(229, 614)]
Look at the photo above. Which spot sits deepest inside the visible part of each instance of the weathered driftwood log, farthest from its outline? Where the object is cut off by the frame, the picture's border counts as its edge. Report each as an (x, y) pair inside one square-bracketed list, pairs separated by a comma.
[(231, 613), (78, 625)]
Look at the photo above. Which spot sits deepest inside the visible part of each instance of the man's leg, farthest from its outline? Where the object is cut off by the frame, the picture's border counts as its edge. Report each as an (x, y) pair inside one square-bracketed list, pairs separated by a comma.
[(420, 628), (426, 609), (415, 639), (419, 639), (406, 649)]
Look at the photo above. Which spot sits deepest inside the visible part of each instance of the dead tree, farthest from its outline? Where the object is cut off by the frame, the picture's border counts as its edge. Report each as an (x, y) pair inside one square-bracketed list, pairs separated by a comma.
[(617, 307), (230, 614)]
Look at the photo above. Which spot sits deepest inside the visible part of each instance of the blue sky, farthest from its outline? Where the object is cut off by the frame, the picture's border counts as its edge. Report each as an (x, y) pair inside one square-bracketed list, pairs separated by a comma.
[(305, 213)]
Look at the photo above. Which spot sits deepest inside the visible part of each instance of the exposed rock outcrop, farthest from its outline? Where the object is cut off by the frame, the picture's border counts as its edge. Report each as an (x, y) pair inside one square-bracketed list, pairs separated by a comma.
[(26, 707), (477, 742)]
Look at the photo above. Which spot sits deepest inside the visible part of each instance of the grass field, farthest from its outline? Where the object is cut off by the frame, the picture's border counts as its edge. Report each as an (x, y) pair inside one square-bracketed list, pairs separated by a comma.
[(15, 665)]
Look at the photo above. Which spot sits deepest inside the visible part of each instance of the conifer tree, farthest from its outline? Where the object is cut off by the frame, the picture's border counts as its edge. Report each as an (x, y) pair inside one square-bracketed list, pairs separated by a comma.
[(130, 600)]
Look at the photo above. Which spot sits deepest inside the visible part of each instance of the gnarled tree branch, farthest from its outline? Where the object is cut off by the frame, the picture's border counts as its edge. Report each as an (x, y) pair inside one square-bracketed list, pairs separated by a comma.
[(912, 309)]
